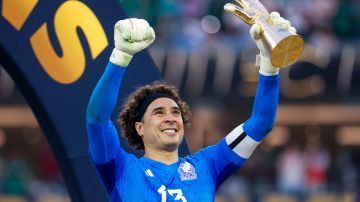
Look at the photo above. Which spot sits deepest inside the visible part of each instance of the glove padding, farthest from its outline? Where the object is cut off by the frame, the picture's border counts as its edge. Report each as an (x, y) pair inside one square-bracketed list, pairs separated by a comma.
[(266, 68), (131, 36)]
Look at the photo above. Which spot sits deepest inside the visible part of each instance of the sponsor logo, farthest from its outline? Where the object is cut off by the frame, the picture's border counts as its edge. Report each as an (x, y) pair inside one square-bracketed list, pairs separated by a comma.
[(149, 173)]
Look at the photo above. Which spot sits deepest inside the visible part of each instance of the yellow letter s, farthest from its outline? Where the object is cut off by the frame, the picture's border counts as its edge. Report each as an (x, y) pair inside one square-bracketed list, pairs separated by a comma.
[(68, 67)]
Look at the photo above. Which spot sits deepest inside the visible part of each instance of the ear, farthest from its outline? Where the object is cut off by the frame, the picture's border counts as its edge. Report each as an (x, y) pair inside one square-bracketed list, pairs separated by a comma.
[(139, 126)]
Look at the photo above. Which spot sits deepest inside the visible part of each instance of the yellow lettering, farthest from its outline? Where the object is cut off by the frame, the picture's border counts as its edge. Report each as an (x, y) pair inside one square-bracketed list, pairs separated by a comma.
[(17, 11), (70, 65)]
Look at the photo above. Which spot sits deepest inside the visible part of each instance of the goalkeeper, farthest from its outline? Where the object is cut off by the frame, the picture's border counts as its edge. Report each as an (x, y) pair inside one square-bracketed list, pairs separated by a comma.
[(153, 120)]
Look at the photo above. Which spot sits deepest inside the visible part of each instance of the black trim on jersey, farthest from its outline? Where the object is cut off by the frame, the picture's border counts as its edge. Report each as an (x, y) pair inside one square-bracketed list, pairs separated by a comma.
[(237, 140)]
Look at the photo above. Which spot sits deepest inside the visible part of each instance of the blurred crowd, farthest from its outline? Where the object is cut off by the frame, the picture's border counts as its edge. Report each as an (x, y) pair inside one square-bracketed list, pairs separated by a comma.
[(301, 168), (191, 24), (28, 169), (204, 51)]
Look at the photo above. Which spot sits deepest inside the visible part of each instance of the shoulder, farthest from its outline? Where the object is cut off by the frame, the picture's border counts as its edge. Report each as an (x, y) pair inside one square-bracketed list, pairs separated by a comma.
[(199, 157), (209, 151), (127, 159)]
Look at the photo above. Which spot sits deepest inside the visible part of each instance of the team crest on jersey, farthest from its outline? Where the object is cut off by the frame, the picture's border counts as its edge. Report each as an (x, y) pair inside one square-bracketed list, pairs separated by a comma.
[(187, 171)]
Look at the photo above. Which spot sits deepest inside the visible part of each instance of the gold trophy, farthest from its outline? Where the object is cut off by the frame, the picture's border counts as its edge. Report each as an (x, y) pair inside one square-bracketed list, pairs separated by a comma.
[(282, 46)]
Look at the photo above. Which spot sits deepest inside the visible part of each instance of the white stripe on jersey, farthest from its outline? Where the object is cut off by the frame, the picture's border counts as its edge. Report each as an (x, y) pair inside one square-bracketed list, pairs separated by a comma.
[(240, 143), (149, 173), (231, 137), (246, 147)]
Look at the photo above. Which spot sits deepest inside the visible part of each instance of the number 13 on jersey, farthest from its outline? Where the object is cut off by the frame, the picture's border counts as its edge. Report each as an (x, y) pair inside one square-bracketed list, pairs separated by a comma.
[(177, 193)]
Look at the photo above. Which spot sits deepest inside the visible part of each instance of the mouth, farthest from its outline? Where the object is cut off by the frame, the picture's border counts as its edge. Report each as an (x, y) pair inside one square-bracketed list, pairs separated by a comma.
[(169, 131)]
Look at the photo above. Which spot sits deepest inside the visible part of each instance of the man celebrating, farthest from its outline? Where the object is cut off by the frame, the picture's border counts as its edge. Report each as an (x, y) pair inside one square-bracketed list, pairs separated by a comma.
[(153, 120)]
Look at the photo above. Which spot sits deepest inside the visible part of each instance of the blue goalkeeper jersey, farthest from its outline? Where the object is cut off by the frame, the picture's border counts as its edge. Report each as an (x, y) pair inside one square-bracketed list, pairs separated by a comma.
[(193, 178)]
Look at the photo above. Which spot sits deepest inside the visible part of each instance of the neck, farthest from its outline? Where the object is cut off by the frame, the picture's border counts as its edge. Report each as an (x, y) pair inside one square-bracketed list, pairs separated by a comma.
[(163, 156)]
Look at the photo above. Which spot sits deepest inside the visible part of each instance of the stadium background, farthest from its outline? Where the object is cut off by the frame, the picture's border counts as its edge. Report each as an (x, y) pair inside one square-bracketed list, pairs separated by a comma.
[(313, 152)]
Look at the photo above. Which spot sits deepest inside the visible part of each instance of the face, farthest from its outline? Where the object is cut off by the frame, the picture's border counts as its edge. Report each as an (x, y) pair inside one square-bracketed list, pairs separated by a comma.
[(162, 126)]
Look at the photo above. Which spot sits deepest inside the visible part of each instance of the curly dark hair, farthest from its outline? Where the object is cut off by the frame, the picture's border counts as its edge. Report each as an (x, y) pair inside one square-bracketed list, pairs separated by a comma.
[(131, 106)]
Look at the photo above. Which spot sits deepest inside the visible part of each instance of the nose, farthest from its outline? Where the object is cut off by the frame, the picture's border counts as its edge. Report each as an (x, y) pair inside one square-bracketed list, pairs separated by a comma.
[(170, 117)]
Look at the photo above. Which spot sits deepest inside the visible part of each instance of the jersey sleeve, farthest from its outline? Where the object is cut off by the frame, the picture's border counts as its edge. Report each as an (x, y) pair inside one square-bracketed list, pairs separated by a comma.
[(231, 152), (263, 115), (104, 144)]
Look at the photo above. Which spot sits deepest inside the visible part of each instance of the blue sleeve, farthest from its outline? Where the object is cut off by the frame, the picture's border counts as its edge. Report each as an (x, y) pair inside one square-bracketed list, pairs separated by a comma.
[(222, 161), (263, 116), (104, 144), (103, 138)]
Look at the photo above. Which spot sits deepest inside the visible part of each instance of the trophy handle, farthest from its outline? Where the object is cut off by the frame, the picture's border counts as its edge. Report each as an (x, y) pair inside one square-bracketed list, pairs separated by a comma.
[(239, 12), (243, 4)]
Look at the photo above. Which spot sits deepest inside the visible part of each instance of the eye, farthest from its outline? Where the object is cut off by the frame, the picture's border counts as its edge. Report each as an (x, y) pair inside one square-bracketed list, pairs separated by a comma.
[(158, 112), (177, 112)]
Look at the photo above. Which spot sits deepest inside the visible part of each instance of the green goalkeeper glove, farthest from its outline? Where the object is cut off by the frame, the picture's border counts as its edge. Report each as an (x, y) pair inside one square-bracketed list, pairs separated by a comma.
[(131, 36)]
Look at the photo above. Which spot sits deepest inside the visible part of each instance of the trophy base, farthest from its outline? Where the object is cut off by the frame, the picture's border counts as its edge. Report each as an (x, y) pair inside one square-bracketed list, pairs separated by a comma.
[(287, 51)]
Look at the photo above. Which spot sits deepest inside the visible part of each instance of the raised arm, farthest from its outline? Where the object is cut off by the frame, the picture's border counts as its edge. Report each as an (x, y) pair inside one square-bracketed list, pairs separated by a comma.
[(244, 139), (228, 155), (102, 134), (131, 36)]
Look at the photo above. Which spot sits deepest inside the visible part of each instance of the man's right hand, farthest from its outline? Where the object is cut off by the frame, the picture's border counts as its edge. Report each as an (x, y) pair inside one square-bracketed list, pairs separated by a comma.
[(131, 36)]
